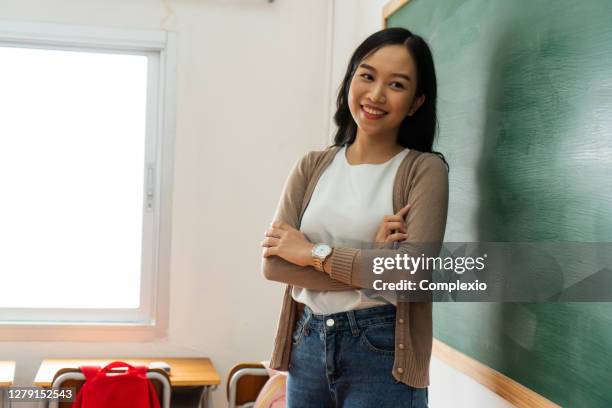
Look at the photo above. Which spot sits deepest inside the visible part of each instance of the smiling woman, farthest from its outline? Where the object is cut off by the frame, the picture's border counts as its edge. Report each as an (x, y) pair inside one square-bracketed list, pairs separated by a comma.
[(382, 89), (380, 183)]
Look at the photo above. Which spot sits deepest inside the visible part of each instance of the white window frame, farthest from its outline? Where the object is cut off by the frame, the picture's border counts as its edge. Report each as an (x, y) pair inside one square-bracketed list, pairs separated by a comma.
[(151, 320)]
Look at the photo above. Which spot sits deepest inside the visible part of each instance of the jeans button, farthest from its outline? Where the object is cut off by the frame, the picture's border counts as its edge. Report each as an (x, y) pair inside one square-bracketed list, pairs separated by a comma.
[(329, 322)]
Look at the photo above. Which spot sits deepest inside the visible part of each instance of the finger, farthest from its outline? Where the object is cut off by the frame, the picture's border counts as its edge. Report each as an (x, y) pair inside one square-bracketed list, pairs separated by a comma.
[(271, 251), (274, 233), (391, 218), (402, 212), (396, 237), (270, 242), (395, 226)]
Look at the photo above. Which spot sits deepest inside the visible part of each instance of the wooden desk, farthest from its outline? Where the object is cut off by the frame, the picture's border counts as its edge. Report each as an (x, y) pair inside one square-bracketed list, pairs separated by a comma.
[(7, 376), (185, 371)]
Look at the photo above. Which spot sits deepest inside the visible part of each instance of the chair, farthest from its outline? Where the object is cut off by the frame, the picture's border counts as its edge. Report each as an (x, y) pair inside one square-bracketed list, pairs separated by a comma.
[(244, 382), (73, 377)]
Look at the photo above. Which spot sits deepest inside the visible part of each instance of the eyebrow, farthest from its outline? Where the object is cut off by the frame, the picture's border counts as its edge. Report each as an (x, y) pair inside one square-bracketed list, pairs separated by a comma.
[(406, 77)]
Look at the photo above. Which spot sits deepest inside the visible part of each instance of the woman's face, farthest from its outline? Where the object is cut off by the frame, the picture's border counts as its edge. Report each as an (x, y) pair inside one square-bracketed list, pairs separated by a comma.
[(382, 91)]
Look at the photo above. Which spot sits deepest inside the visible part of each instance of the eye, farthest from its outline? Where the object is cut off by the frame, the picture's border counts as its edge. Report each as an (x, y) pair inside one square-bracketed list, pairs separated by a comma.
[(367, 77), (397, 85)]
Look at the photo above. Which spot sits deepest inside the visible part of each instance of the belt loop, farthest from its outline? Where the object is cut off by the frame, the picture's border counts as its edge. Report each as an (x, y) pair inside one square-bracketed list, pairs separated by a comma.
[(353, 322), (308, 314), (307, 322)]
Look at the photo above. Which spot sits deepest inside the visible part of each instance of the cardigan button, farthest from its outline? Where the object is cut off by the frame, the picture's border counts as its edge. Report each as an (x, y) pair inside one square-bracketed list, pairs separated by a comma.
[(400, 370), (401, 346), (401, 320)]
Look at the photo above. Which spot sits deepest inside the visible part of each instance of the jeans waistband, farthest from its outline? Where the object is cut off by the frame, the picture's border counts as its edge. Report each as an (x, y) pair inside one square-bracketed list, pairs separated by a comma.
[(350, 320)]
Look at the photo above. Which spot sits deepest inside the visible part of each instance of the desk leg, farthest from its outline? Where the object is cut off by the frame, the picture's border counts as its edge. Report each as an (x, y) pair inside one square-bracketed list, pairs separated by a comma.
[(206, 397), (4, 398)]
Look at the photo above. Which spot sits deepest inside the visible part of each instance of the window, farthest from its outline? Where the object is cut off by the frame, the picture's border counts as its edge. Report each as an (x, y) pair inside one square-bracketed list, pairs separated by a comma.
[(85, 158)]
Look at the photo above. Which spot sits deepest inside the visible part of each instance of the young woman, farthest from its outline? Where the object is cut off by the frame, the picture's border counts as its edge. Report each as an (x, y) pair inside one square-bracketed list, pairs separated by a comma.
[(379, 191)]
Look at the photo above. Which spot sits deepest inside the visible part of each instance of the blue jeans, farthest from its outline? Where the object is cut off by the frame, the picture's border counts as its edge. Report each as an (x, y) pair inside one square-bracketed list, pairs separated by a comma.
[(345, 360)]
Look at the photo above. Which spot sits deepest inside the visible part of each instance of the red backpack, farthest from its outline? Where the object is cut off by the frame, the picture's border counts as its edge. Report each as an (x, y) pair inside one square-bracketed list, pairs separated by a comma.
[(131, 389)]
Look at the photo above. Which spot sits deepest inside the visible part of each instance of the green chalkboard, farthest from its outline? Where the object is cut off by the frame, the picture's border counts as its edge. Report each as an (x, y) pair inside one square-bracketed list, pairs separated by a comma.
[(525, 110)]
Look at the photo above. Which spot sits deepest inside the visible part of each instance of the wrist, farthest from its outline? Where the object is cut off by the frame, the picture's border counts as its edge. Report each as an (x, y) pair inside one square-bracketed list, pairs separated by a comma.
[(327, 264), (309, 248), (320, 254)]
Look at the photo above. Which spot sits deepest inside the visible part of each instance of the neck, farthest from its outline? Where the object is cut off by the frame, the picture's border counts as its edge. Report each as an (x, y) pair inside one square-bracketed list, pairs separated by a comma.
[(372, 149)]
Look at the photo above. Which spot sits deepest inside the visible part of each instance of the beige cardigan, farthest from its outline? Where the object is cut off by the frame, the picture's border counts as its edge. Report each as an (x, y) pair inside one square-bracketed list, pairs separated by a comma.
[(422, 181)]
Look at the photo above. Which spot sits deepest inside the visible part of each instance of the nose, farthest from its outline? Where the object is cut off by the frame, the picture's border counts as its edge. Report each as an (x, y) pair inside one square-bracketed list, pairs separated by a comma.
[(377, 95)]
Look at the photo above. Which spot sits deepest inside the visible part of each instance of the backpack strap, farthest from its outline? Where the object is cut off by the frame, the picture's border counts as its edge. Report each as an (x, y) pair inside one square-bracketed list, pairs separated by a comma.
[(154, 401)]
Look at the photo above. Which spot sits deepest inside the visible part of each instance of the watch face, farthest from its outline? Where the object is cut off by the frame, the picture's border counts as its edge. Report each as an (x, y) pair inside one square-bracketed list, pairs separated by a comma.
[(322, 250)]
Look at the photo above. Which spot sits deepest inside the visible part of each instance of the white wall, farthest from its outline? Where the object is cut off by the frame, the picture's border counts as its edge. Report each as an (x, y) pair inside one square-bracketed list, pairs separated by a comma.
[(252, 98)]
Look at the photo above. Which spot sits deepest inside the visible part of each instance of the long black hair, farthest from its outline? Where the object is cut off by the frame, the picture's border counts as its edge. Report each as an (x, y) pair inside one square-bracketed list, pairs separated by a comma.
[(416, 131)]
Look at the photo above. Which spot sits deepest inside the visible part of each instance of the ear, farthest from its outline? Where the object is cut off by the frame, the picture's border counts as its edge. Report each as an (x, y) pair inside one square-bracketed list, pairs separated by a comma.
[(416, 105)]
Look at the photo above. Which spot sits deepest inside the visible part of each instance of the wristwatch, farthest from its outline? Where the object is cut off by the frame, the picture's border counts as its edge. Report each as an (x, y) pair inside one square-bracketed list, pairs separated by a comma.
[(320, 252)]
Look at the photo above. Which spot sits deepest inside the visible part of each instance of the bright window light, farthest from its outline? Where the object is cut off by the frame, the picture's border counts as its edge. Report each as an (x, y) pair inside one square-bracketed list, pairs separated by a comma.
[(72, 163)]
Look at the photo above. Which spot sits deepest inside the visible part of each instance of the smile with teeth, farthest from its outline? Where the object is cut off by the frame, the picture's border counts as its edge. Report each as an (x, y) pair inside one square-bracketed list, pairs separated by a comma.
[(373, 111)]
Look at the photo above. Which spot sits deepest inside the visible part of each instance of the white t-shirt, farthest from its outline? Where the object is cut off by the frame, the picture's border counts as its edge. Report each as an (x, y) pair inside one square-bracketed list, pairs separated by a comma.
[(346, 209)]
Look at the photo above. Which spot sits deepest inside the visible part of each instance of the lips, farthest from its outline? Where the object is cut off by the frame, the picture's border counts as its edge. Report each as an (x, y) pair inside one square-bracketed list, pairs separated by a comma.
[(371, 112)]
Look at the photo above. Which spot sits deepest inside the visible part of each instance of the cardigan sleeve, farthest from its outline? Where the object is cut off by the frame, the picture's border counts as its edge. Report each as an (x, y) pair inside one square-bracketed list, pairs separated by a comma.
[(288, 210), (425, 224)]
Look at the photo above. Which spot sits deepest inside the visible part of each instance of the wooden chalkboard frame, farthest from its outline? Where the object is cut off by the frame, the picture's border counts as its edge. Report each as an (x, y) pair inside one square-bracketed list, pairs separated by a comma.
[(390, 8), (512, 391)]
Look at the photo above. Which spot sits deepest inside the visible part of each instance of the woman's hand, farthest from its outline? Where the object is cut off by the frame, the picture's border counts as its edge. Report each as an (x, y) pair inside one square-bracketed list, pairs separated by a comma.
[(393, 227), (288, 243)]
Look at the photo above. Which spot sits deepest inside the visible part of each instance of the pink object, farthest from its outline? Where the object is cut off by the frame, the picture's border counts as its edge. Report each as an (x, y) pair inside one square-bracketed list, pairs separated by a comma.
[(272, 395)]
